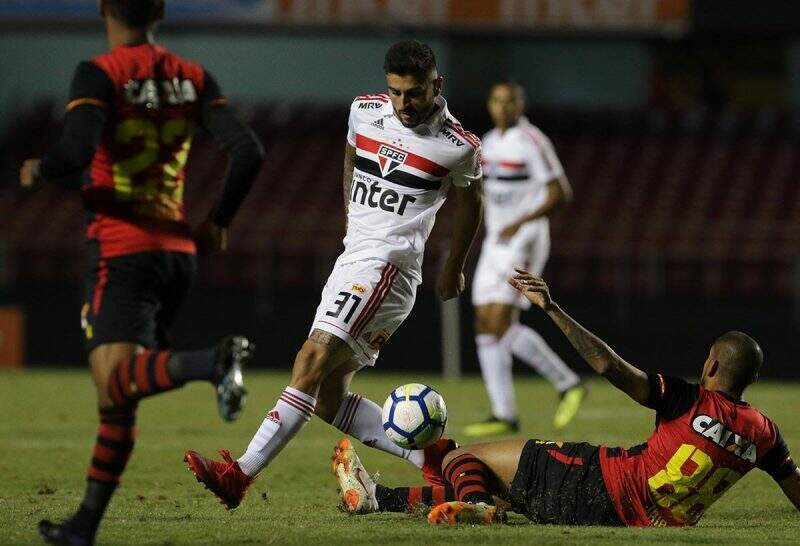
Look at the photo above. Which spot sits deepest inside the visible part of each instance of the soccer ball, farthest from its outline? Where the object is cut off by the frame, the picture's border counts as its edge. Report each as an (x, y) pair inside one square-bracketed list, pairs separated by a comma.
[(414, 416)]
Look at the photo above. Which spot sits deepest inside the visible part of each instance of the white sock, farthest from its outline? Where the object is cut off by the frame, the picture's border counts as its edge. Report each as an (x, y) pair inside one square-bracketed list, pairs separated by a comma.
[(292, 411), (495, 359), (361, 418), (532, 349)]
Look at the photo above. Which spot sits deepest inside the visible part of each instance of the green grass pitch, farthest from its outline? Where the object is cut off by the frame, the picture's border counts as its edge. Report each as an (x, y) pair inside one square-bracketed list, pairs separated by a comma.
[(48, 426)]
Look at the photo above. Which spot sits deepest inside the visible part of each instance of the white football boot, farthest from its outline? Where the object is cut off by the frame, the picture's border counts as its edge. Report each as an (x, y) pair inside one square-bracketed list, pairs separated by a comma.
[(356, 486)]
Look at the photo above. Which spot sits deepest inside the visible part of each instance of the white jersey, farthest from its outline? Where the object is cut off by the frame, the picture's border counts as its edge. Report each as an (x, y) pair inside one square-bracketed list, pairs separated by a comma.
[(401, 178), (518, 164)]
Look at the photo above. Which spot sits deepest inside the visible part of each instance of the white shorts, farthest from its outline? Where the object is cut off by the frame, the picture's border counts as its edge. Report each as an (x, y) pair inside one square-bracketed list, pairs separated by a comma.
[(496, 264), (363, 303)]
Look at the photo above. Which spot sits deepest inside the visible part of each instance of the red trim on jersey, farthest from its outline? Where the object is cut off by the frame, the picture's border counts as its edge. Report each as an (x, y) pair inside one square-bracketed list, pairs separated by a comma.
[(99, 288), (512, 164), (463, 133), (566, 459), (119, 237), (412, 160), (380, 96)]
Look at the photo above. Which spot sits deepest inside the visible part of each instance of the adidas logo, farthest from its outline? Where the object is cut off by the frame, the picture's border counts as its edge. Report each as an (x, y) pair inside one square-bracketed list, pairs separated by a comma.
[(378, 123), (274, 416)]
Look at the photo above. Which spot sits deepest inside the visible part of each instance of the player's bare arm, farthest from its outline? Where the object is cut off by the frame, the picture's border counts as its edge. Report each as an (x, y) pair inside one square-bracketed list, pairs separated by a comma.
[(347, 176), (629, 379), (791, 487), (469, 209), (559, 195)]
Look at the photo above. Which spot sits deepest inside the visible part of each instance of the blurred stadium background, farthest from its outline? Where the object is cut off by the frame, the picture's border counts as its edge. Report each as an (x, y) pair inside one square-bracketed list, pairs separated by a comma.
[(677, 122)]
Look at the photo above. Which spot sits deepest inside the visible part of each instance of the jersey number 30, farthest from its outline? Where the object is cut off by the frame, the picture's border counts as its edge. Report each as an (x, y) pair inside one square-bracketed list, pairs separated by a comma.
[(690, 483)]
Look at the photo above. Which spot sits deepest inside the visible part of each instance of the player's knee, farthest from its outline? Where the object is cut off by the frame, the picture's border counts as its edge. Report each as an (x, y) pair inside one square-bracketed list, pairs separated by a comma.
[(492, 323), (310, 367), (452, 455)]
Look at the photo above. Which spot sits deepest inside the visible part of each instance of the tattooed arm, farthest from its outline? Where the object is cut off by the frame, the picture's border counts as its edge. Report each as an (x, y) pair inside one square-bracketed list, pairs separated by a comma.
[(347, 177), (629, 379)]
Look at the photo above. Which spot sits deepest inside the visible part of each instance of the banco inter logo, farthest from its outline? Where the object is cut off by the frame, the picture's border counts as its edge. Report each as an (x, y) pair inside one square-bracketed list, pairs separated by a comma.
[(389, 159)]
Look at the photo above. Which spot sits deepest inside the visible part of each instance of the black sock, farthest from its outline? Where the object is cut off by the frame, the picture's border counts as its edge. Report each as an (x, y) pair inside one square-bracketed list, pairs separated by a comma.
[(391, 499), (403, 499), (86, 520), (193, 365)]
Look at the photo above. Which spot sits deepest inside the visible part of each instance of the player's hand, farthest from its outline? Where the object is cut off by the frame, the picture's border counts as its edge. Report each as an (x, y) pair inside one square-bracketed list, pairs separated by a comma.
[(510, 230), (29, 174), (450, 283), (210, 238), (532, 287)]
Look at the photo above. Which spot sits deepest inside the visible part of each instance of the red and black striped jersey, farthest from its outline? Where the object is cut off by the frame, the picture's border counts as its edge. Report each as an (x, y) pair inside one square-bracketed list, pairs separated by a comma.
[(703, 443)]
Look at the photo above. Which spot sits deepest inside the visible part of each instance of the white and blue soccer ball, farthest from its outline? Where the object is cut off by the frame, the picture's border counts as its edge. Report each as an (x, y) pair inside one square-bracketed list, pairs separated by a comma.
[(414, 416)]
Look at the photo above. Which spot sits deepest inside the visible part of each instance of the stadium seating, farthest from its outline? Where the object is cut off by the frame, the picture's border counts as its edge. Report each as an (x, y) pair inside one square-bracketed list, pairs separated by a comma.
[(683, 203)]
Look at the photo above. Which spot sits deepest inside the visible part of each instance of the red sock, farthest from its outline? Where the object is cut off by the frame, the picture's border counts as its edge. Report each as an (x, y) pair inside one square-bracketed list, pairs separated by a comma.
[(140, 376), (115, 438), (470, 478)]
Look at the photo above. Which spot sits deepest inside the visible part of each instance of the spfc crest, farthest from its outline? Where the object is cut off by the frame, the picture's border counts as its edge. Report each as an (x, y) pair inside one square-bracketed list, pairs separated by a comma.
[(390, 159)]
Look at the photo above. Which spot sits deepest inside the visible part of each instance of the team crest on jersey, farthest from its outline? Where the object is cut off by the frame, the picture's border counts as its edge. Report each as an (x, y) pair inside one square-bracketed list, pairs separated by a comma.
[(390, 159)]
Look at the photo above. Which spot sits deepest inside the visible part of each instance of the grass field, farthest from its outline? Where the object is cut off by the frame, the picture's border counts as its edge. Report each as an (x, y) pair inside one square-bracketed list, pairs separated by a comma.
[(48, 427)]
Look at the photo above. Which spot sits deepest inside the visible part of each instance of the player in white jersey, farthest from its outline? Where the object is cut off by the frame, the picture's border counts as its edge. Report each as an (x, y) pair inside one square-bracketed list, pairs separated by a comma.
[(524, 184), (404, 152)]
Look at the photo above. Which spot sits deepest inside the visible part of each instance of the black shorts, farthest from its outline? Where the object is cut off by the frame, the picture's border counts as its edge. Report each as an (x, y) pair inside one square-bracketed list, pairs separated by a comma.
[(134, 298), (561, 483)]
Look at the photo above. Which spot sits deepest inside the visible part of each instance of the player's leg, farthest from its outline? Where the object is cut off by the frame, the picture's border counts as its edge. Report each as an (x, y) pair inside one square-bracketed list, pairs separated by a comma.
[(221, 364), (356, 415), (361, 494), (229, 480), (123, 299), (321, 355), (492, 321)]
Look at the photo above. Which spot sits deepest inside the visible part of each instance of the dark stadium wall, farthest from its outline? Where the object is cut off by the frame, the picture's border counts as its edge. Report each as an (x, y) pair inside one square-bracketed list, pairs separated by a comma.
[(333, 68)]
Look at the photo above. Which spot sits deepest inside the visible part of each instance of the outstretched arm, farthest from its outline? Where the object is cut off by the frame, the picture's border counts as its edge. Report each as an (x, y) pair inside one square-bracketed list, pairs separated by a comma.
[(791, 487), (629, 379), (450, 283)]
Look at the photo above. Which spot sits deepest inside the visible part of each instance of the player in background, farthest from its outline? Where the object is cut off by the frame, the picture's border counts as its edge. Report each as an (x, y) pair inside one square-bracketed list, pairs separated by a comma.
[(524, 184), (131, 117), (405, 152), (706, 439)]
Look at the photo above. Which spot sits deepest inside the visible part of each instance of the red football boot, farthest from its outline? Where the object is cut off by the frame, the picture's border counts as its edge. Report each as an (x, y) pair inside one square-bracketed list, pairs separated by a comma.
[(225, 479), (434, 455)]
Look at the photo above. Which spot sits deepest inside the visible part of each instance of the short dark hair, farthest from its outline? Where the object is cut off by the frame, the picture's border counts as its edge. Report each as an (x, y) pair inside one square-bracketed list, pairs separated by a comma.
[(410, 58), (511, 84), (136, 13), (743, 359)]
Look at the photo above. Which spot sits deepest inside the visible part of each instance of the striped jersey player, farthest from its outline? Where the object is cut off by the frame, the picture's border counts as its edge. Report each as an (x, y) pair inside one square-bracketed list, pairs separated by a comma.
[(524, 184), (405, 152)]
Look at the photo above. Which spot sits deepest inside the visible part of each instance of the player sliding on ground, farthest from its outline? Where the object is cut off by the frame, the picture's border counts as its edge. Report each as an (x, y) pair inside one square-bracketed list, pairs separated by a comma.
[(131, 119), (404, 152), (524, 184), (706, 439)]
